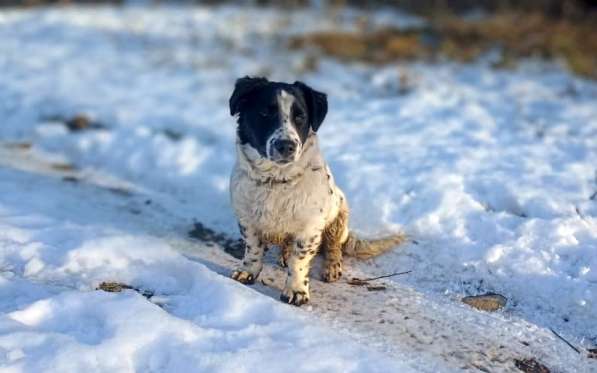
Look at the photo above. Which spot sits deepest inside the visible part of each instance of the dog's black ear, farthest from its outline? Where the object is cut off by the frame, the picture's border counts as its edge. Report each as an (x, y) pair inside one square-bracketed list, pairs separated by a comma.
[(242, 88), (317, 104)]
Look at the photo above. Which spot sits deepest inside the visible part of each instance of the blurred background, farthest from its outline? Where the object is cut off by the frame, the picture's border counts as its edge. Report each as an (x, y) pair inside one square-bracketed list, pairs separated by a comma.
[(461, 30)]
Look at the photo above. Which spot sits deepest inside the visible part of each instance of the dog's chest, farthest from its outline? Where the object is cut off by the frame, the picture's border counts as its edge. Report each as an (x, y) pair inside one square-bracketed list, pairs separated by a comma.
[(283, 208)]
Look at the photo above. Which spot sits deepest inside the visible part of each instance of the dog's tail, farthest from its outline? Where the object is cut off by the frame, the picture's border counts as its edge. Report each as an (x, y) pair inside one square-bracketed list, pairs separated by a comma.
[(365, 249)]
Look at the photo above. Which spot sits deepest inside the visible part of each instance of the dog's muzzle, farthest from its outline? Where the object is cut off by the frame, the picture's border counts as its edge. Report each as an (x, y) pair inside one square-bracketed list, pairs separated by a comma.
[(284, 150)]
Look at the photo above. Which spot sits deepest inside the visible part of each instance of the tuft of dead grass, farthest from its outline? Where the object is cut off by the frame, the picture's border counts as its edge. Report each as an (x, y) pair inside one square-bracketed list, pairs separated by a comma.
[(516, 35)]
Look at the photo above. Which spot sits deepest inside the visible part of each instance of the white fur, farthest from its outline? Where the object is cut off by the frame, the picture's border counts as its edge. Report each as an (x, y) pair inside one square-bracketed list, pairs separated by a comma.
[(298, 199), (261, 200)]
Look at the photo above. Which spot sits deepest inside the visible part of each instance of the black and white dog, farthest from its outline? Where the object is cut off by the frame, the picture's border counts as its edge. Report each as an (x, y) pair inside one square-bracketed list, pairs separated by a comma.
[(283, 192)]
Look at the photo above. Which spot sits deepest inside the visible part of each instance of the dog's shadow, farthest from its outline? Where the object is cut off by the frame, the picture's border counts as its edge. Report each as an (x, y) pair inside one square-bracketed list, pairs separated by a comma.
[(270, 287), (273, 276)]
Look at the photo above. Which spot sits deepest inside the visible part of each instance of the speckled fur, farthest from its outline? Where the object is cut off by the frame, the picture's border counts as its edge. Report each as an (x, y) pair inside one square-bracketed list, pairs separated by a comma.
[(290, 206)]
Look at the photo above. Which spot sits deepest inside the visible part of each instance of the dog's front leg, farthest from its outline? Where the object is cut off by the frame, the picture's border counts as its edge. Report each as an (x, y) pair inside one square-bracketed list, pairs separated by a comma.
[(304, 249), (253, 260)]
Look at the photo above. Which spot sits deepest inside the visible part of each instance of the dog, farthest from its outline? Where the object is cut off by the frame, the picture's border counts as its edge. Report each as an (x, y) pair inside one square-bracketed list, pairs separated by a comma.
[(283, 192)]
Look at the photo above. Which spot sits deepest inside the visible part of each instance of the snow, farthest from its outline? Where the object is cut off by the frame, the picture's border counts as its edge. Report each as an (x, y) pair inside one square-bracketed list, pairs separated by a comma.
[(57, 247), (490, 171)]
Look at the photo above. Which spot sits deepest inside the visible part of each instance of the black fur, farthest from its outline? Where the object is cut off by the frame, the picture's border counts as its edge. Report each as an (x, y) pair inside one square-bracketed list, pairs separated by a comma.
[(255, 102), (317, 104)]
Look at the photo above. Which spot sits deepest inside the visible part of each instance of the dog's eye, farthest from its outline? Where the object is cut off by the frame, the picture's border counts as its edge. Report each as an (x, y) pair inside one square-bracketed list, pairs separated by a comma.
[(270, 111), (299, 117)]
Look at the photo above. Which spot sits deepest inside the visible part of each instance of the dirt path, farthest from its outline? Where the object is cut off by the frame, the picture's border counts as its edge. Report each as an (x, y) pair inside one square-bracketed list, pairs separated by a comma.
[(398, 320)]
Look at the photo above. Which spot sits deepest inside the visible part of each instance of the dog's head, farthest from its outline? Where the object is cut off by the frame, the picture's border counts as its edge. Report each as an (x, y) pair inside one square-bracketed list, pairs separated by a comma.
[(276, 118)]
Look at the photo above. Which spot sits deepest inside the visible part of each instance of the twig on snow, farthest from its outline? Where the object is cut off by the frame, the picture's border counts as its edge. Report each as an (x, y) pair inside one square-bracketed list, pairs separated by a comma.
[(385, 276), (364, 281), (580, 214), (565, 341)]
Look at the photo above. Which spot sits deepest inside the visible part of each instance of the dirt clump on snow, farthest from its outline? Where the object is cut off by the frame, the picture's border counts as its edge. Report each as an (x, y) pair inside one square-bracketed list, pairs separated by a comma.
[(531, 366), (486, 302), (117, 287)]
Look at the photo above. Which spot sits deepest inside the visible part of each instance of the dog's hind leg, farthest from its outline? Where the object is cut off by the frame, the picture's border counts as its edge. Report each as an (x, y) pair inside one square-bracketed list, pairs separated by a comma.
[(334, 237), (253, 260), (285, 251)]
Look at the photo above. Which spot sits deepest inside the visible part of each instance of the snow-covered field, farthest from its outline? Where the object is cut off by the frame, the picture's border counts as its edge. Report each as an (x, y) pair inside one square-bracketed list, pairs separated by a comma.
[(493, 173)]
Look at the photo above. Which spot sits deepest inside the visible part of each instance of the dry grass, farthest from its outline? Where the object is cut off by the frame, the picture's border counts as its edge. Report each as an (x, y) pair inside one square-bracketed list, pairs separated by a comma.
[(379, 46), (517, 35)]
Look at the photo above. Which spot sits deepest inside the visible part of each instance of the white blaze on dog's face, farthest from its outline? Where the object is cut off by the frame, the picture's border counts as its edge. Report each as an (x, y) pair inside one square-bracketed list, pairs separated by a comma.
[(275, 119), (284, 144)]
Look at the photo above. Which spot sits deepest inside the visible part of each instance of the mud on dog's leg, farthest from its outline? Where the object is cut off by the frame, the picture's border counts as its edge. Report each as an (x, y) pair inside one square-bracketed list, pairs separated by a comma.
[(296, 290), (334, 237), (253, 260)]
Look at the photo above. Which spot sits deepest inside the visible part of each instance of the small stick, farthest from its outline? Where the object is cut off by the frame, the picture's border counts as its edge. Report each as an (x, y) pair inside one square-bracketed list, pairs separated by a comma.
[(565, 341), (385, 276), (580, 215)]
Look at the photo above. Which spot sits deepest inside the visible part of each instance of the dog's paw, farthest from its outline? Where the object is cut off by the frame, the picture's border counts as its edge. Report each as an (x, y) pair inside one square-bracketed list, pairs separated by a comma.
[(294, 297), (244, 277), (332, 272)]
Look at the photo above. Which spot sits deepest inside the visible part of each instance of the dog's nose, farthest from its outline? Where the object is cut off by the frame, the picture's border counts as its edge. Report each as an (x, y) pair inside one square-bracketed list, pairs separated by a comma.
[(285, 148)]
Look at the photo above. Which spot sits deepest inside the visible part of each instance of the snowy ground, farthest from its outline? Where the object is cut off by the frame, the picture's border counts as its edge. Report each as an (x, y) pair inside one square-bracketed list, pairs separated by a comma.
[(491, 172)]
